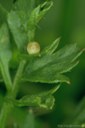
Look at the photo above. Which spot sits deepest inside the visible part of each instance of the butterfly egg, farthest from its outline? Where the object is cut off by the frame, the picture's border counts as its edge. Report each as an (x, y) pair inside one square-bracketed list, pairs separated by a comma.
[(33, 48)]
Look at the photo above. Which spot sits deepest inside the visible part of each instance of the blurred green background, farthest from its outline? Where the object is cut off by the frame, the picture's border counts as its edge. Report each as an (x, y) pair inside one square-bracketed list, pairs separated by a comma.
[(66, 19)]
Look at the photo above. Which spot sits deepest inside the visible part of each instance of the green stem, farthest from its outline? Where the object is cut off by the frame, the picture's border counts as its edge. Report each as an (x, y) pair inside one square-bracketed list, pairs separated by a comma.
[(7, 105), (6, 76), (17, 78)]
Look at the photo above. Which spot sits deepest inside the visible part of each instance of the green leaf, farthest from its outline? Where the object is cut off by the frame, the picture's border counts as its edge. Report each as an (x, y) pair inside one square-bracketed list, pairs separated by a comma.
[(23, 9), (3, 15), (51, 48), (17, 29), (7, 4), (21, 24), (27, 17), (43, 100), (25, 6), (36, 15), (5, 55), (49, 68)]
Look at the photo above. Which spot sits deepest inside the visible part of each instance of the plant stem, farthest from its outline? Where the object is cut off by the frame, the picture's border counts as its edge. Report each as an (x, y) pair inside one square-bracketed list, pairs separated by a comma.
[(6, 76), (7, 105), (17, 78)]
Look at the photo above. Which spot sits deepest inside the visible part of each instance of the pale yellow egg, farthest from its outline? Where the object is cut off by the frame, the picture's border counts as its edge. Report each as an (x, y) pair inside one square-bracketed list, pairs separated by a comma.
[(33, 48)]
